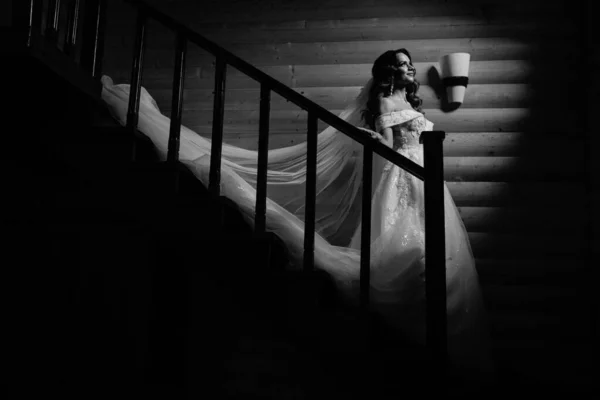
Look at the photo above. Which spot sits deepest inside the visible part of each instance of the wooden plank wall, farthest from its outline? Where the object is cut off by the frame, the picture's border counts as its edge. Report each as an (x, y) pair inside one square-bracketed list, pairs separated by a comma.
[(514, 153)]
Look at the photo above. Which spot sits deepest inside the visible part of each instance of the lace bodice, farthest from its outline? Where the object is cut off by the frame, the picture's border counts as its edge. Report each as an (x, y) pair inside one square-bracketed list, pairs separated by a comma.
[(406, 125)]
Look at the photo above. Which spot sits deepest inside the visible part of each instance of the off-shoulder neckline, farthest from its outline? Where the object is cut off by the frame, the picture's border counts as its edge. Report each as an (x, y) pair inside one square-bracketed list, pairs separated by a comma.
[(400, 112)]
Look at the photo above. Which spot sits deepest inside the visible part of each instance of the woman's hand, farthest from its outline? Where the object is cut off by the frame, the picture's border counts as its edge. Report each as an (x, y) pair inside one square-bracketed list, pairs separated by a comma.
[(373, 135), (385, 139)]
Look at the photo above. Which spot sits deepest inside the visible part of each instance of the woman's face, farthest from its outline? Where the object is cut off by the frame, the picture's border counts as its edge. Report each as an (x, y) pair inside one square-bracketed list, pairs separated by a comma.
[(406, 71)]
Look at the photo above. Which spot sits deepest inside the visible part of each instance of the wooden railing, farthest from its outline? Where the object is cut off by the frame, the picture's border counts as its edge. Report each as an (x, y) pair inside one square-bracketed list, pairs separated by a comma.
[(431, 173), (30, 14)]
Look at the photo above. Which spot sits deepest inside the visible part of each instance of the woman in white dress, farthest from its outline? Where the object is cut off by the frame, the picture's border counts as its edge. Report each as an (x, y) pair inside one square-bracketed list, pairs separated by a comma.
[(390, 108)]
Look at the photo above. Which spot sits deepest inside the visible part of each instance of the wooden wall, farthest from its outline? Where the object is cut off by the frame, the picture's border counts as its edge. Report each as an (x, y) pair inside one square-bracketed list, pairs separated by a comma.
[(514, 153)]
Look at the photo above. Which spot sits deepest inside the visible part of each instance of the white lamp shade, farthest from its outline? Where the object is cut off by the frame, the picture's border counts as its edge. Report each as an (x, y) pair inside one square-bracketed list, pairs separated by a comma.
[(455, 65), (456, 94)]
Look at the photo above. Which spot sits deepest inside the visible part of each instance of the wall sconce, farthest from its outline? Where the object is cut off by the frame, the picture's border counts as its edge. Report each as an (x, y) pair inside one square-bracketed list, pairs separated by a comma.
[(455, 76)]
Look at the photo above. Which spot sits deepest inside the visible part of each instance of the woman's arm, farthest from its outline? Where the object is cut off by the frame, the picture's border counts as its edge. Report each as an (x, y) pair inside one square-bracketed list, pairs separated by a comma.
[(385, 106), (387, 138)]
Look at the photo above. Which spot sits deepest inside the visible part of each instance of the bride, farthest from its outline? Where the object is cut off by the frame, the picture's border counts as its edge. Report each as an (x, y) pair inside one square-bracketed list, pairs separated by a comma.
[(390, 109)]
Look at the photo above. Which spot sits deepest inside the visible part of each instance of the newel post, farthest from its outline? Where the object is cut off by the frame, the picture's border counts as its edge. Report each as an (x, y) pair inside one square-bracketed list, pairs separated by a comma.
[(435, 247)]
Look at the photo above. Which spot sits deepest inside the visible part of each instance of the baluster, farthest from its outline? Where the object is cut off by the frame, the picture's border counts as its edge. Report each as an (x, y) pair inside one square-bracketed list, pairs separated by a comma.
[(177, 98), (263, 159), (52, 20), (72, 21), (311, 191), (136, 74), (217, 131), (435, 246), (177, 107), (92, 50), (365, 233)]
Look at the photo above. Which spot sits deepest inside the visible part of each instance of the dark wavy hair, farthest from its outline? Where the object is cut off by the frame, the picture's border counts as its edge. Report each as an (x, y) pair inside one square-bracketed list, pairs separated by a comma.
[(384, 72)]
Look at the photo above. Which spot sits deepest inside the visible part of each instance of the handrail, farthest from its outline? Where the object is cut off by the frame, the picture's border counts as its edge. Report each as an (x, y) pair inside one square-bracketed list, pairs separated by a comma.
[(431, 173)]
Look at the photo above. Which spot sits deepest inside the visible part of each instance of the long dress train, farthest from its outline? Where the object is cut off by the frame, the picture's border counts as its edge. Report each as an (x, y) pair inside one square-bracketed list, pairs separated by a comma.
[(397, 224)]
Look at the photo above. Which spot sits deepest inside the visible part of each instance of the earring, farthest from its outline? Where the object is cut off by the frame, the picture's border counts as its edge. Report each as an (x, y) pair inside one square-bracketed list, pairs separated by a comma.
[(392, 86)]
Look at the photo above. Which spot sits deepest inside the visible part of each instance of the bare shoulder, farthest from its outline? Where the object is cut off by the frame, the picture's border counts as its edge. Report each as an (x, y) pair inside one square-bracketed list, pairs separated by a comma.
[(386, 105)]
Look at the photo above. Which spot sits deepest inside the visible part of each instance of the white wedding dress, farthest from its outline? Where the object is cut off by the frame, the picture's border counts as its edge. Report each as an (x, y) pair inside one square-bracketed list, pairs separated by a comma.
[(397, 224)]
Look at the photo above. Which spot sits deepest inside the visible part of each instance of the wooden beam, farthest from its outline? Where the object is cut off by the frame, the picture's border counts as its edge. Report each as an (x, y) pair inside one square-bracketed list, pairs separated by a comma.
[(519, 246), (235, 12), (558, 273), (377, 29), (477, 96), (501, 194), (364, 52), (512, 169), (390, 29), (510, 144), (520, 219), (347, 75), (461, 120)]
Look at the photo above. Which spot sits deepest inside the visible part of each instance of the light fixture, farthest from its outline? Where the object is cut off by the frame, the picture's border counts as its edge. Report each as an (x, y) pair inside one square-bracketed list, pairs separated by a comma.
[(455, 76)]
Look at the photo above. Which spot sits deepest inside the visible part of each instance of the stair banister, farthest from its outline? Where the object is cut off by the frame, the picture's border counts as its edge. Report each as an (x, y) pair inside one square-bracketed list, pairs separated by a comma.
[(284, 91), (263, 159), (177, 99), (431, 172)]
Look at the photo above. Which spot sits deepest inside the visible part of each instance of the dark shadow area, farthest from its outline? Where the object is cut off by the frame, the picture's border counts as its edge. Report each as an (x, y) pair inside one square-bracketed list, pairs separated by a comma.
[(551, 155)]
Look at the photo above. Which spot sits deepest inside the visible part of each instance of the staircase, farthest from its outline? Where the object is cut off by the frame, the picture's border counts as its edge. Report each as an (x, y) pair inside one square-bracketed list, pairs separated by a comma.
[(114, 291)]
